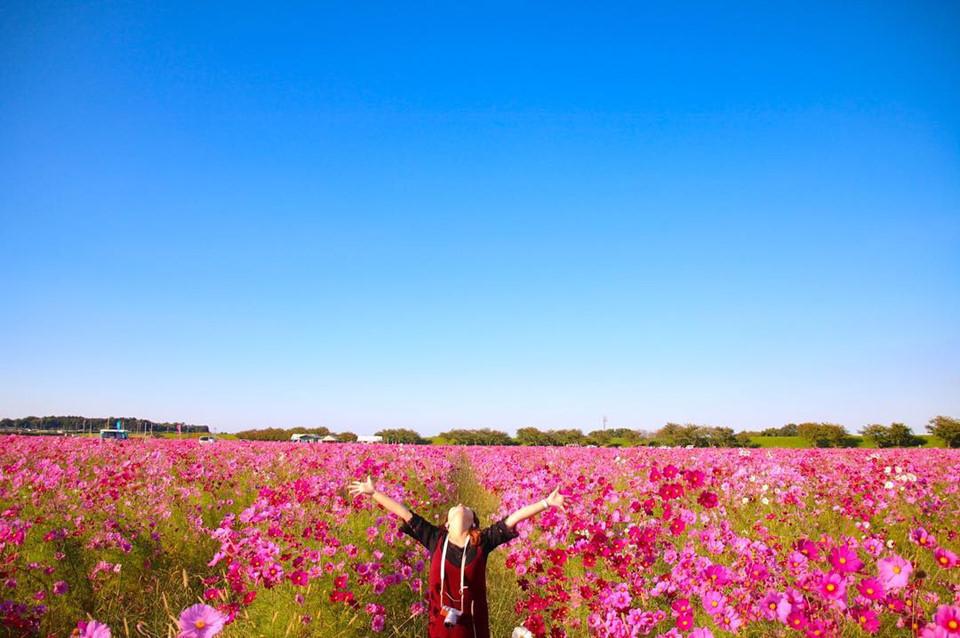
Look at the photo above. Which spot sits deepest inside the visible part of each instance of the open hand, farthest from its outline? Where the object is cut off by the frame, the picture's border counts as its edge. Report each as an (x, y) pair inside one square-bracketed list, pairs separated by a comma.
[(556, 498), (362, 487)]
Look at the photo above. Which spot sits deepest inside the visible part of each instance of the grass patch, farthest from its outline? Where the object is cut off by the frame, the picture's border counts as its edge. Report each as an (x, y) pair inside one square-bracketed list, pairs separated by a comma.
[(779, 441)]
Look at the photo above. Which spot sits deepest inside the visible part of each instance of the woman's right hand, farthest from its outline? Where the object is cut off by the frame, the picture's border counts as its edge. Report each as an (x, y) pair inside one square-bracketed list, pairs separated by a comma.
[(362, 487)]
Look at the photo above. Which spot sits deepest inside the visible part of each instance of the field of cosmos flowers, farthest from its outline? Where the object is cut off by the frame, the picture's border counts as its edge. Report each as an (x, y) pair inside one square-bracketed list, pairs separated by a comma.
[(175, 538)]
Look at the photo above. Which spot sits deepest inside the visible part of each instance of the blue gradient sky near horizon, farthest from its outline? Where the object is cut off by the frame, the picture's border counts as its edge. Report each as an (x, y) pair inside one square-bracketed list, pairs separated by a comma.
[(499, 215)]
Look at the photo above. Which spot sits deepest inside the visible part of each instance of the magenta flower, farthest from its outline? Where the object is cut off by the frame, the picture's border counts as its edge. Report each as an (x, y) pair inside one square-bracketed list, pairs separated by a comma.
[(60, 587), (707, 499), (299, 577), (714, 602), (867, 619), (701, 632), (844, 559), (808, 548), (948, 618), (923, 538), (776, 607), (717, 575), (682, 606), (796, 619), (93, 629), (945, 558), (833, 586), (200, 621), (894, 572), (871, 588)]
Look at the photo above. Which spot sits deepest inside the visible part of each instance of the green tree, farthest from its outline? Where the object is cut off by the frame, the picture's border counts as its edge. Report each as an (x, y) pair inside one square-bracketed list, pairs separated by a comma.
[(401, 435), (946, 428), (532, 436), (894, 435), (879, 434), (483, 436), (825, 435)]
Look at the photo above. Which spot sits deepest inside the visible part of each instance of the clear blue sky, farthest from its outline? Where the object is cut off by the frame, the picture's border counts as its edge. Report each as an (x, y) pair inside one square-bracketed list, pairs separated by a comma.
[(481, 215)]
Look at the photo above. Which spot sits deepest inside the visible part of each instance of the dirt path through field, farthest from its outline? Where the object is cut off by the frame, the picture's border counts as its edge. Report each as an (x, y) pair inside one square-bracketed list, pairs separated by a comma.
[(502, 589)]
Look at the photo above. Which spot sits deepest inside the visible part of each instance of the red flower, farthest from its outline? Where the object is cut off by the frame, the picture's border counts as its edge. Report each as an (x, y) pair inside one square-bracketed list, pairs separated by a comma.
[(707, 499)]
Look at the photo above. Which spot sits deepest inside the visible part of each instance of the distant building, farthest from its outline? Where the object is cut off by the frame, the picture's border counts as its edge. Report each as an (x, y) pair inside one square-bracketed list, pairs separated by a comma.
[(305, 438), (375, 438), (329, 439)]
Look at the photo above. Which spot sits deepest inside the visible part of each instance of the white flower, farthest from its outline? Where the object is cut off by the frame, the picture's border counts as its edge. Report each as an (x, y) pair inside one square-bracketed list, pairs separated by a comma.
[(888, 485)]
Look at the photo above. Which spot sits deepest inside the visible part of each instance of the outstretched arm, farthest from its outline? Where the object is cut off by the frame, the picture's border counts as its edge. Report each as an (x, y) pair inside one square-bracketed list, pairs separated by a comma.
[(554, 500), (392, 506)]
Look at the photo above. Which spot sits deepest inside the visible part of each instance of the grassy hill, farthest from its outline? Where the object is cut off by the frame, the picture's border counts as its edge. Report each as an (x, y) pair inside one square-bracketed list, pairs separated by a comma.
[(797, 442)]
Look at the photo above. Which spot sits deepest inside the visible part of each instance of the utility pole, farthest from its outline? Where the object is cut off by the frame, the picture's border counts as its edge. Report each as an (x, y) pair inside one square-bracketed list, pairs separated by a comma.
[(604, 422)]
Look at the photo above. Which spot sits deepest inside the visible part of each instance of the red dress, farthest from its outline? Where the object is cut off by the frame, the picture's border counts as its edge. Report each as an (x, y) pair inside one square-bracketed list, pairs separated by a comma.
[(474, 622)]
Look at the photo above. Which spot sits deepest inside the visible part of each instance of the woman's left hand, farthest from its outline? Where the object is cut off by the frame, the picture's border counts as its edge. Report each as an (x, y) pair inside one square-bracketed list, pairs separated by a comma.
[(556, 498)]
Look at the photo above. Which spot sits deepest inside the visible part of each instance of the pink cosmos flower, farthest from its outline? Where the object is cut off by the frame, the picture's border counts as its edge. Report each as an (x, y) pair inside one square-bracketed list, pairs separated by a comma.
[(871, 588), (681, 606), (200, 621), (923, 538), (797, 561), (844, 559), (620, 598), (894, 572), (677, 526), (60, 587), (685, 622), (808, 548), (701, 632), (815, 629), (833, 586), (714, 602), (299, 577), (796, 619), (948, 618), (717, 575), (93, 629), (775, 607), (378, 623), (867, 619), (945, 558)]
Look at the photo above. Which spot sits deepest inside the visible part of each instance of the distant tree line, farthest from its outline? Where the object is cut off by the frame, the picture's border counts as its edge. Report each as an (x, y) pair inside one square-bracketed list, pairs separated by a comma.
[(702, 436), (284, 434), (674, 434), (93, 424)]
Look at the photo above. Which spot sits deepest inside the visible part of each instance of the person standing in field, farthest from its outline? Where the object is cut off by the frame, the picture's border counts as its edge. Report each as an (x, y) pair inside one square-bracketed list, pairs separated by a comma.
[(456, 586)]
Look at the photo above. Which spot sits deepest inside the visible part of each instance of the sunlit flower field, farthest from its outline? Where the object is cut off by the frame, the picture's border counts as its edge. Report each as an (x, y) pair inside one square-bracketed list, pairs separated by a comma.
[(175, 538)]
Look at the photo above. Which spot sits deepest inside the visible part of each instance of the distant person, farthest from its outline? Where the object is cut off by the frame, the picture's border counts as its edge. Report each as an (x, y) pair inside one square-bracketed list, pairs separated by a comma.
[(457, 587)]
